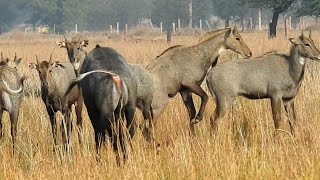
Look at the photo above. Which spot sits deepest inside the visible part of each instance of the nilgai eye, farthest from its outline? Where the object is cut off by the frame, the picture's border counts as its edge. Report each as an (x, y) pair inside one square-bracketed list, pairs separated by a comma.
[(307, 44), (78, 48), (238, 39)]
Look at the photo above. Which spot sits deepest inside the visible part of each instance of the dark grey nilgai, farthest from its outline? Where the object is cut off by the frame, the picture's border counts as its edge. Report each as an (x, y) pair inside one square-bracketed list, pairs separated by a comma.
[(55, 79), (274, 76), (109, 97), (11, 99), (182, 70)]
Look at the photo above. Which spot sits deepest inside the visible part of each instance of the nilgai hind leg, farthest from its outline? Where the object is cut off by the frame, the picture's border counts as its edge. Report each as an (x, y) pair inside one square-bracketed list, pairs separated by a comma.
[(276, 112), (289, 107), (78, 109), (188, 102)]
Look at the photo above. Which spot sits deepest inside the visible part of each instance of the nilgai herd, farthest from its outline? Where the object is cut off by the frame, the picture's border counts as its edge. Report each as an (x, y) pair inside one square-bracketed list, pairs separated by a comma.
[(112, 89)]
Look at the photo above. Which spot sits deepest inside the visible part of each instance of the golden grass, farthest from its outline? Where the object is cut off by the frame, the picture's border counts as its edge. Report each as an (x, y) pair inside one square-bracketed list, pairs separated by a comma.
[(244, 147)]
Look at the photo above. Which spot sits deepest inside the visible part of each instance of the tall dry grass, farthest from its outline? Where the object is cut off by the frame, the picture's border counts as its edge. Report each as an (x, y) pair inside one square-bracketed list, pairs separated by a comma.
[(244, 147)]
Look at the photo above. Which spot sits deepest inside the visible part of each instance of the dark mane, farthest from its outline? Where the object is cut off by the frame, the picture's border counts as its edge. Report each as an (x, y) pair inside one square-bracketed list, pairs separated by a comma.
[(170, 48)]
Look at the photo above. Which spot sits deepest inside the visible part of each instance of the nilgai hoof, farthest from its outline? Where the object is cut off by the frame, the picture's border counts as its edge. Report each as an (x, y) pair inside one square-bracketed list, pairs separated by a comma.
[(195, 121)]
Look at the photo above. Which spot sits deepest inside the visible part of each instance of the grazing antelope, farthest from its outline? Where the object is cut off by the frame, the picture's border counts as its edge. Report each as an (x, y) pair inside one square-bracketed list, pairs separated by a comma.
[(11, 99), (182, 70), (55, 79), (277, 77)]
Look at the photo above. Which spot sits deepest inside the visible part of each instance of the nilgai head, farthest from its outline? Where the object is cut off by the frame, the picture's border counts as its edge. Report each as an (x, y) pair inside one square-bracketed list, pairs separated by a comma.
[(234, 42), (306, 47), (75, 50), (13, 64), (44, 69)]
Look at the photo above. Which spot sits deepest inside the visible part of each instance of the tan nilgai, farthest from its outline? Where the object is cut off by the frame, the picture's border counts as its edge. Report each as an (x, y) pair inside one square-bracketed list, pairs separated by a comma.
[(182, 70), (274, 76)]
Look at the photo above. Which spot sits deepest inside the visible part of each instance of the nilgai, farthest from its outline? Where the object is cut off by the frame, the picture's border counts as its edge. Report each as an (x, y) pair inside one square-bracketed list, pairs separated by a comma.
[(55, 80), (182, 70), (11, 99), (277, 77), (110, 98), (144, 97)]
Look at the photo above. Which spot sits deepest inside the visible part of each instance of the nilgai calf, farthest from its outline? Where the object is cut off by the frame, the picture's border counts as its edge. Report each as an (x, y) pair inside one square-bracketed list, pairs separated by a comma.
[(10, 99), (277, 77), (55, 79), (182, 70)]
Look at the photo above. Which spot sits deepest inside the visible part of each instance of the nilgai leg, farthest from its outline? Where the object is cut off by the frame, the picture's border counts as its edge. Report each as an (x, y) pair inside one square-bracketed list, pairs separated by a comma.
[(188, 102), (14, 120), (1, 133), (289, 107), (78, 109)]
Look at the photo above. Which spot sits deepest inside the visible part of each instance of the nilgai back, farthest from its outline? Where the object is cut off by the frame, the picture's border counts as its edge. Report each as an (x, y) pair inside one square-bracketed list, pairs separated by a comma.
[(274, 76)]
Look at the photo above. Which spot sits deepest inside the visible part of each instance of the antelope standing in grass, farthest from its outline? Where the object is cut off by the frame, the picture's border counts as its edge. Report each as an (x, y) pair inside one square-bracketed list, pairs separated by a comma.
[(182, 70), (277, 77), (109, 97), (55, 79), (11, 99)]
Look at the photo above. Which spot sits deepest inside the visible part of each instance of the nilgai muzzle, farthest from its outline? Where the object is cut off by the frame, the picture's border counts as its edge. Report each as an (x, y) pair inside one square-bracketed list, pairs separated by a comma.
[(182, 70), (55, 79), (11, 88), (110, 98), (277, 77)]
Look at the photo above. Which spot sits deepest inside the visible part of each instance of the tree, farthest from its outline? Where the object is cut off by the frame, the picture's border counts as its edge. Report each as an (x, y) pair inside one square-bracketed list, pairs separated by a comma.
[(277, 6), (309, 8), (225, 9)]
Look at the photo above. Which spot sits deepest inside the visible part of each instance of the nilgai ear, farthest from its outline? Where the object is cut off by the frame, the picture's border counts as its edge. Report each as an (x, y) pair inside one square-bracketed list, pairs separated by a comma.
[(85, 43), (228, 32), (295, 41), (1, 56), (234, 28), (61, 44), (57, 64), (32, 66), (17, 62)]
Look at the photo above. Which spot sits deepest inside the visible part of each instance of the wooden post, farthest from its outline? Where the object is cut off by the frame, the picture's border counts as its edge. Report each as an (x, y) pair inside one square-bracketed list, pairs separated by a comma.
[(260, 28), (173, 28), (251, 25), (207, 22), (76, 28), (286, 27), (200, 24), (118, 28), (126, 31), (110, 29), (151, 24), (54, 29), (302, 22), (179, 27), (25, 32), (160, 27), (290, 23)]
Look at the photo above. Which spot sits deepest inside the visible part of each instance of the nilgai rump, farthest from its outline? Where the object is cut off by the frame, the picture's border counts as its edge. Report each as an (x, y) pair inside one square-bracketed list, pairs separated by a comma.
[(109, 97), (274, 76)]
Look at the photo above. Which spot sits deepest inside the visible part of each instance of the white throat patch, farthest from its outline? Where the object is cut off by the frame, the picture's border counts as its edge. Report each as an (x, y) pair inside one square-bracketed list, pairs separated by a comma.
[(221, 50), (76, 65), (302, 60)]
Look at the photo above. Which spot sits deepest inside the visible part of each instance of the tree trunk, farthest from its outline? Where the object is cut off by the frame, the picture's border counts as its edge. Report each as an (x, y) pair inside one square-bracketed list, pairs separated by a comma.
[(273, 24), (226, 22), (242, 23)]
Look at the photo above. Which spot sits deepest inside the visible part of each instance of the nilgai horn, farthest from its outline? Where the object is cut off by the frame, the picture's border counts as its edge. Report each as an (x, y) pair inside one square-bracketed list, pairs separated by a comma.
[(277, 77), (11, 99), (182, 70), (55, 79)]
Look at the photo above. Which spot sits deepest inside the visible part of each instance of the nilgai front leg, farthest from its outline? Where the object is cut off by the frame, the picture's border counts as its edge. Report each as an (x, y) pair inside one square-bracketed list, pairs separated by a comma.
[(1, 133), (289, 107), (66, 127), (188, 102), (276, 111), (78, 108), (204, 99), (14, 122)]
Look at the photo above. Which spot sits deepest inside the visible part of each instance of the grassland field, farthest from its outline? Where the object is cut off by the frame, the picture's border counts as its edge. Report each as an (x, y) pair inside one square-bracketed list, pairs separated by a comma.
[(244, 147)]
